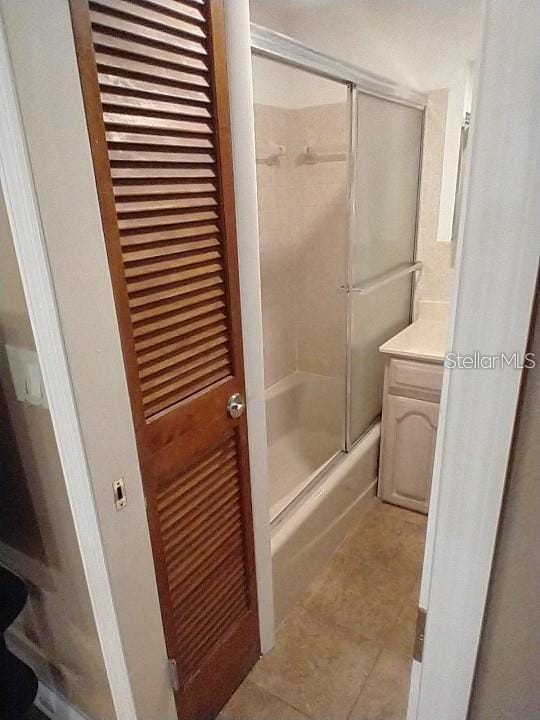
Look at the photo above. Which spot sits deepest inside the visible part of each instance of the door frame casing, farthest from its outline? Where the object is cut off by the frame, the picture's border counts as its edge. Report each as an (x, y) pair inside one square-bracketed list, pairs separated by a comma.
[(496, 267), (247, 236)]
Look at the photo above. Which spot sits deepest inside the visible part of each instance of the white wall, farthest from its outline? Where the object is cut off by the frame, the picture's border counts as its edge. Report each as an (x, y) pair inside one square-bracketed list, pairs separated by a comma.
[(425, 44), (56, 633)]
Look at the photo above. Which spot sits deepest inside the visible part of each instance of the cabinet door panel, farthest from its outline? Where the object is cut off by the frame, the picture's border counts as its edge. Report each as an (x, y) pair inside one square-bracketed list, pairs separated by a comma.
[(407, 450)]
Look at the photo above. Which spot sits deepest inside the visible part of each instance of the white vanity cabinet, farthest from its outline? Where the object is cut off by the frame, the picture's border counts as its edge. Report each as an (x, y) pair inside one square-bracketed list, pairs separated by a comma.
[(412, 388)]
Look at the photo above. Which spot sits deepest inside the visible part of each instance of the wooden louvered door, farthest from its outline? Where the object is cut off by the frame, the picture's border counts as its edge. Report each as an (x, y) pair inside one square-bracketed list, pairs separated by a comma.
[(154, 85)]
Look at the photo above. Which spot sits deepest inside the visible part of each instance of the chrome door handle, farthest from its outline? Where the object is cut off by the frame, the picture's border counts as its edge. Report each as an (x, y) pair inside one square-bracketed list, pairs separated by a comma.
[(236, 405)]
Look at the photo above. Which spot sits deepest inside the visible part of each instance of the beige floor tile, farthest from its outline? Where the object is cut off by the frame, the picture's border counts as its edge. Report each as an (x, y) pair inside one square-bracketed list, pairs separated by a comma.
[(385, 694), (414, 595), (315, 667), (413, 541), (401, 634), (388, 537), (413, 517), (364, 598), (251, 702)]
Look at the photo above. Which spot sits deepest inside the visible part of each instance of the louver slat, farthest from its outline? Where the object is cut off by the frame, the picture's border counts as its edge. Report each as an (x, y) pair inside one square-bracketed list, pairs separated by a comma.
[(121, 66), (135, 102), (117, 45), (155, 94), (159, 19), (203, 565), (144, 33), (118, 83)]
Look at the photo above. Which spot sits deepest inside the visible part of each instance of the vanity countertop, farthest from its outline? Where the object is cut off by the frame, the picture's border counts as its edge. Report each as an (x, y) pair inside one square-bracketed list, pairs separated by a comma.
[(422, 340)]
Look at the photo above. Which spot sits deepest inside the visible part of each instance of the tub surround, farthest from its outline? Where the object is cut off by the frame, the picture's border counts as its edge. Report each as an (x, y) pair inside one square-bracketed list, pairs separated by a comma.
[(302, 234)]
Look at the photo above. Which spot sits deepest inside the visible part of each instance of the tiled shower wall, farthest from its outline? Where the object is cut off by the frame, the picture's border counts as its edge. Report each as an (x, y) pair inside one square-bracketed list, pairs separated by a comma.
[(303, 221), (303, 225)]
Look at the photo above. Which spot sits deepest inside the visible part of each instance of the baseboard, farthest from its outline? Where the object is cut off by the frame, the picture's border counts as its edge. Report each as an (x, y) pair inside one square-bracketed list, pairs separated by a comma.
[(55, 706)]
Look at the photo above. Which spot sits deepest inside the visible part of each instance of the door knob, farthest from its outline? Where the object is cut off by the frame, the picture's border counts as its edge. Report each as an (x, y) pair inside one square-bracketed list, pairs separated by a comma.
[(236, 405)]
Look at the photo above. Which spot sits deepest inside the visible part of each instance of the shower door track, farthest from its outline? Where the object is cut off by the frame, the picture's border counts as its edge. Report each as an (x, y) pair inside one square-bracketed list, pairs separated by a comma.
[(269, 43)]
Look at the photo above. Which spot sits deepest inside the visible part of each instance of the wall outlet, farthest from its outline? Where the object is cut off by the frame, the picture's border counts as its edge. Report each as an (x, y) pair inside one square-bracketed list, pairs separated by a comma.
[(26, 375)]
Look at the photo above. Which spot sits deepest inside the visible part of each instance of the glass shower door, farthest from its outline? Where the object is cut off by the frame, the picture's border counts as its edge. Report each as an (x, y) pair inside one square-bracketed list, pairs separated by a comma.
[(383, 237), (301, 137)]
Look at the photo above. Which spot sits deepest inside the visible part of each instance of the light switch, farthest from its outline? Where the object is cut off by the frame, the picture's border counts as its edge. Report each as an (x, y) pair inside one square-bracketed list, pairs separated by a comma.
[(26, 375)]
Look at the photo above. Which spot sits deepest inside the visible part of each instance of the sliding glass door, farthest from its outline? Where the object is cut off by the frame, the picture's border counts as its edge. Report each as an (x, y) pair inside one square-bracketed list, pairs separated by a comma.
[(388, 139), (301, 134)]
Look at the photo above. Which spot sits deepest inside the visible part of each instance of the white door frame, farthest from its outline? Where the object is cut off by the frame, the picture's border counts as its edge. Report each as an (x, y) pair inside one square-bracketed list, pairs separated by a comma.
[(21, 203), (491, 313), (497, 265), (247, 232)]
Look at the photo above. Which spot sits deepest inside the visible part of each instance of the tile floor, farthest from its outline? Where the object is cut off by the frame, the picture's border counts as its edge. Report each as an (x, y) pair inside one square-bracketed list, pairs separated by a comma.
[(344, 652)]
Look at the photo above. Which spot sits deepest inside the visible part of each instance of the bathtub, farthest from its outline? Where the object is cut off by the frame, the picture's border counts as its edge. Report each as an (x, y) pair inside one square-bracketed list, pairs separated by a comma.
[(312, 511), (304, 427)]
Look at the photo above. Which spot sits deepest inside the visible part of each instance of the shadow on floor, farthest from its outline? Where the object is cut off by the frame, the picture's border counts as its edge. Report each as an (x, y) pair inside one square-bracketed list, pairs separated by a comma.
[(34, 714)]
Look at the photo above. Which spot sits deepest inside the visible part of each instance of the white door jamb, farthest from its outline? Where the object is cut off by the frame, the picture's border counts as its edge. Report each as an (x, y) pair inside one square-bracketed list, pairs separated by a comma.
[(497, 267)]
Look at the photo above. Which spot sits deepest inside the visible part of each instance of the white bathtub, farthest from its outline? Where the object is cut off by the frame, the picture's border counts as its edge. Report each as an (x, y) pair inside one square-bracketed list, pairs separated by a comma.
[(304, 430), (304, 426)]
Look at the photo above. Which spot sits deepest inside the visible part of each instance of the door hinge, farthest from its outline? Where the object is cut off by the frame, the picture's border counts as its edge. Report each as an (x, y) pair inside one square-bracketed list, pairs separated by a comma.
[(419, 636), (173, 674)]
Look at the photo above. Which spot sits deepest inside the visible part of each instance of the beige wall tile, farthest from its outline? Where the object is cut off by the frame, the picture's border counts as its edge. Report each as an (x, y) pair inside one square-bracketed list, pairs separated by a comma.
[(303, 225), (435, 281)]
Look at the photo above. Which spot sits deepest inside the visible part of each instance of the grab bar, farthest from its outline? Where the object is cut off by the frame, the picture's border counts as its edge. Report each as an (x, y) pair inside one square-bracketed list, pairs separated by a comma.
[(384, 279)]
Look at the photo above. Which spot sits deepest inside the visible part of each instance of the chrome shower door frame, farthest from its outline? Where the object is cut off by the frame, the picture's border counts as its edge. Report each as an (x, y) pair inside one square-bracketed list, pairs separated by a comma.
[(419, 102), (277, 46)]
